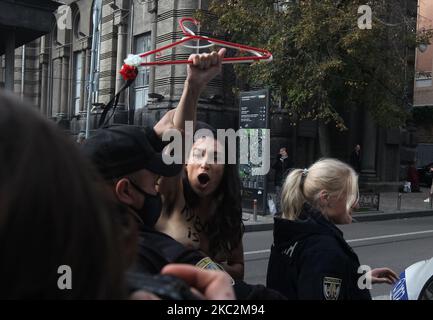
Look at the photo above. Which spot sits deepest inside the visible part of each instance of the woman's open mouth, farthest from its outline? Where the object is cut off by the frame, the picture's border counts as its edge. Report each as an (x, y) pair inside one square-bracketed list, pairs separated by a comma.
[(203, 179)]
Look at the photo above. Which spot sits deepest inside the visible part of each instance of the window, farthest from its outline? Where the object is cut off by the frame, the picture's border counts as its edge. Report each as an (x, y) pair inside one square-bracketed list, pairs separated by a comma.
[(97, 61), (77, 82), (55, 86), (76, 26), (141, 88), (96, 18)]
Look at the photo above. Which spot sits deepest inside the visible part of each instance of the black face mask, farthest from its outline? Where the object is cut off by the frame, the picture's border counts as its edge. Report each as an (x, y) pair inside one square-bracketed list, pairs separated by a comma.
[(151, 209)]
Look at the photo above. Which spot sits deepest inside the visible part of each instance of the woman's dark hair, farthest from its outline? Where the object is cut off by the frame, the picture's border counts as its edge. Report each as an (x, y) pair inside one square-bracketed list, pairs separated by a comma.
[(52, 213), (224, 228)]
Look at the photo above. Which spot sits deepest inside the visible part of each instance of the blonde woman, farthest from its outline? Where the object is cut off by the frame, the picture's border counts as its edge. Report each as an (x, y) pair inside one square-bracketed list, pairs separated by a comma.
[(310, 258)]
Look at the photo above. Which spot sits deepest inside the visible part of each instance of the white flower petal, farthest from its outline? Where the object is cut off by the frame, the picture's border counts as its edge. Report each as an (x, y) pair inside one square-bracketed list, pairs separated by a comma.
[(133, 60)]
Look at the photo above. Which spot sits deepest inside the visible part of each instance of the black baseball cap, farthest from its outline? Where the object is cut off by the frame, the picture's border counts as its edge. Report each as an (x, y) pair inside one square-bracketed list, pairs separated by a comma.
[(123, 149)]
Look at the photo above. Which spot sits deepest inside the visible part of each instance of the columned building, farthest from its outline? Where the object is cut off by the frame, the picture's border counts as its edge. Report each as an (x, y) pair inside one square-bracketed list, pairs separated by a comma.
[(56, 71), (57, 66), (22, 23)]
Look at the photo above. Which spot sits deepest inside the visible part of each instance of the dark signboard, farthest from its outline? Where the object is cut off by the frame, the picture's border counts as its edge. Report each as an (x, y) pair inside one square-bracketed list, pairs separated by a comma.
[(253, 108)]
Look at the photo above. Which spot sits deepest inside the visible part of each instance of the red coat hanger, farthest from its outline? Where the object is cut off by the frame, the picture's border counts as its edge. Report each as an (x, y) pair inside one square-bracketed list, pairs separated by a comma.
[(129, 70), (257, 54)]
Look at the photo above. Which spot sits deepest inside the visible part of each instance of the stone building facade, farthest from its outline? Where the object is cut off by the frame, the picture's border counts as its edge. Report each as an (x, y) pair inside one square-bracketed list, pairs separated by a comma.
[(55, 75), (56, 70)]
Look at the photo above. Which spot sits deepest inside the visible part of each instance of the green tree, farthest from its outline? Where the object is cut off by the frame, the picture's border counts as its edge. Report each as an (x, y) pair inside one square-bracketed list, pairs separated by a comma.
[(323, 62)]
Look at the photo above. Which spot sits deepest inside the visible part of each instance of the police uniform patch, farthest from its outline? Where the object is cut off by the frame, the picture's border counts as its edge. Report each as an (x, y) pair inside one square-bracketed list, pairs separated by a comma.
[(331, 288), (208, 264)]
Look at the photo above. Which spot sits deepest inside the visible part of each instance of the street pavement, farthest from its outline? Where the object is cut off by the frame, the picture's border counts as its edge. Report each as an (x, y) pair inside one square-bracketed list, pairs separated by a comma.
[(411, 205), (394, 243)]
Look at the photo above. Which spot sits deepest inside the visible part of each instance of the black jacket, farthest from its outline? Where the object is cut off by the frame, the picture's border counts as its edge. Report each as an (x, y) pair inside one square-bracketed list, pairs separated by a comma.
[(281, 169), (157, 249), (311, 260), (355, 161)]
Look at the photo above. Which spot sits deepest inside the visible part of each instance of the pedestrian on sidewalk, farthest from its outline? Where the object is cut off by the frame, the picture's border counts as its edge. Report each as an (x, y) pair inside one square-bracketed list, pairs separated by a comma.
[(413, 177), (355, 158), (282, 166), (431, 187), (309, 257)]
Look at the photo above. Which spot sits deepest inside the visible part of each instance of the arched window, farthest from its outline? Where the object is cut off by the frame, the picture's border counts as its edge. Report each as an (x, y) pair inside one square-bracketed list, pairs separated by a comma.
[(78, 82), (76, 26)]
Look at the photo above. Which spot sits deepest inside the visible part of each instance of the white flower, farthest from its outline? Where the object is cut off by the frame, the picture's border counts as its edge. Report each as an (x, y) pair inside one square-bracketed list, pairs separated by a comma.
[(133, 60)]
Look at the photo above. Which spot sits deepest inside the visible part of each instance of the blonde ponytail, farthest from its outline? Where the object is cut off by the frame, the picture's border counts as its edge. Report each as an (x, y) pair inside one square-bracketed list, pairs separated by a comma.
[(292, 197)]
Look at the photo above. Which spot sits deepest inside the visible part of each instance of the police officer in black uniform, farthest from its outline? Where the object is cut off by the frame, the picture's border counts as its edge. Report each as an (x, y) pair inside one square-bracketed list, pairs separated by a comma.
[(309, 257), (119, 152), (129, 159)]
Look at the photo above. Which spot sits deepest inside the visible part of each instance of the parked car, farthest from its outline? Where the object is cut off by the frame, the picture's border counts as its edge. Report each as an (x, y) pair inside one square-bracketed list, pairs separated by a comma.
[(416, 282), (425, 175)]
